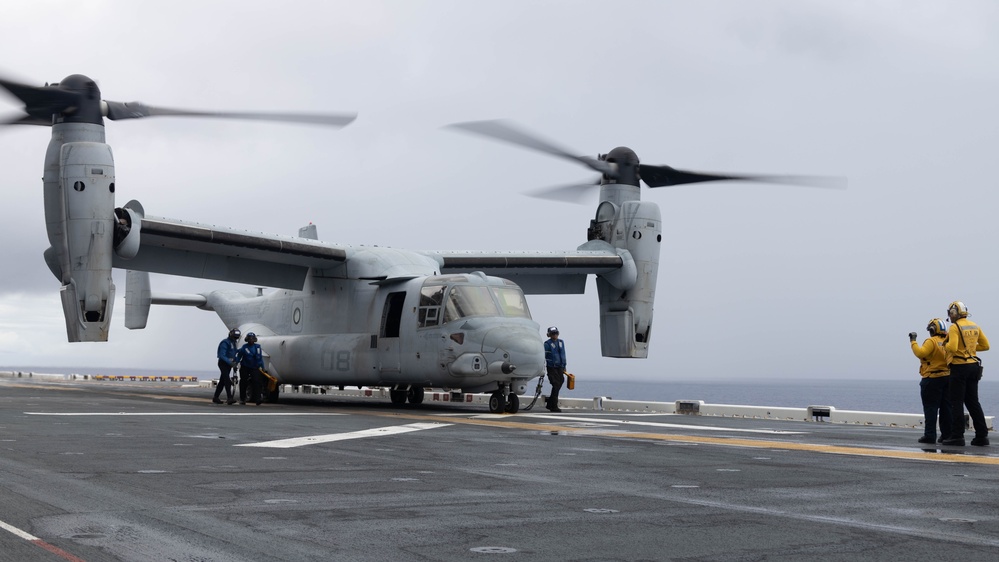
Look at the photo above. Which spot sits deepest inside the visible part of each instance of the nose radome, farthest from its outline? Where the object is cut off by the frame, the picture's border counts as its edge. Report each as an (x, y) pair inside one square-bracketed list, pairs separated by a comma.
[(524, 346), (513, 339)]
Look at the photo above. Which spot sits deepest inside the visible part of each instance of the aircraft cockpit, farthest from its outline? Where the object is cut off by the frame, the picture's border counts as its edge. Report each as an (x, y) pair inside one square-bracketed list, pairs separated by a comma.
[(445, 299)]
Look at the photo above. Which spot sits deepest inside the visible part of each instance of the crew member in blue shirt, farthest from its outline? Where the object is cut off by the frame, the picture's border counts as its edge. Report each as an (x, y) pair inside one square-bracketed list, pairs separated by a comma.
[(227, 362), (251, 360), (555, 366)]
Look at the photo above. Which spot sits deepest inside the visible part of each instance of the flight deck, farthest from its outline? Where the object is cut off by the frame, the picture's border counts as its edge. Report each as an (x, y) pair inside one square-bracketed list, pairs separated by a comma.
[(121, 470)]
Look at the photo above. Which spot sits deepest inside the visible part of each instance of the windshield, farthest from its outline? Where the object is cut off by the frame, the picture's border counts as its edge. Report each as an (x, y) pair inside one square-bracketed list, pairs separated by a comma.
[(465, 300), (511, 301)]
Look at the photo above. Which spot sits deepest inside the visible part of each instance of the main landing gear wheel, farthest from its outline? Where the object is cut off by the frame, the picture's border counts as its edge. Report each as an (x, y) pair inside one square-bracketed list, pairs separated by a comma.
[(512, 404), (497, 403), (398, 396), (415, 395)]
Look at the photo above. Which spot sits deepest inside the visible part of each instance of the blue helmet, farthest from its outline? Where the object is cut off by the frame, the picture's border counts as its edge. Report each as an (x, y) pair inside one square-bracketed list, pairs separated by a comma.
[(234, 334), (553, 331), (250, 336)]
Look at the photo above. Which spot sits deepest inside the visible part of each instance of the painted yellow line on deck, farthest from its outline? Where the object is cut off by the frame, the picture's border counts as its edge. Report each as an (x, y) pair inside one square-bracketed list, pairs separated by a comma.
[(815, 448), (725, 441)]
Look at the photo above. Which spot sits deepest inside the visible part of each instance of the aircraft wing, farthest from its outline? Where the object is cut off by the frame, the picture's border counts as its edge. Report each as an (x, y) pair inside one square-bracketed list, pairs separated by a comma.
[(191, 249), (537, 273)]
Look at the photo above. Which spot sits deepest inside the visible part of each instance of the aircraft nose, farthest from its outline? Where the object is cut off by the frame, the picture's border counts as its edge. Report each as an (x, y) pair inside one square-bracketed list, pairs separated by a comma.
[(523, 347)]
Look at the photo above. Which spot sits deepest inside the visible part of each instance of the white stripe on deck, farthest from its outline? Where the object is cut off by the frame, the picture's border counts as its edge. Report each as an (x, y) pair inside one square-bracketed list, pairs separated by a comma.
[(15, 531), (83, 414), (316, 439), (600, 419)]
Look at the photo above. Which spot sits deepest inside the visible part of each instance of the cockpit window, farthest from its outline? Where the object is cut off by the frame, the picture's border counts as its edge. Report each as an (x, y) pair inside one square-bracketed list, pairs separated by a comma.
[(464, 300), (432, 295), (511, 302), (431, 299)]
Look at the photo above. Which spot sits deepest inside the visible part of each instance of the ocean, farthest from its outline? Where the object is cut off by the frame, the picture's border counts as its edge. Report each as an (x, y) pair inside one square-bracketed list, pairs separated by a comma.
[(899, 396)]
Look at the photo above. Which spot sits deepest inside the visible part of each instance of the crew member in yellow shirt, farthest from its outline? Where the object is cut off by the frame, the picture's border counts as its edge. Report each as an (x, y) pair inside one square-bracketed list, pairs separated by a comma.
[(964, 340), (935, 373)]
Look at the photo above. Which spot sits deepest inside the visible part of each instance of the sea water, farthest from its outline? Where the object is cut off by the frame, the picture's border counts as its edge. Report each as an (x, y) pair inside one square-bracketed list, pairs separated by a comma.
[(899, 396)]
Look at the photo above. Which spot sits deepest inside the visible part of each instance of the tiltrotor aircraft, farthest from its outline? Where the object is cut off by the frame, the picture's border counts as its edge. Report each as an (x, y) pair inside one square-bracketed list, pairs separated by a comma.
[(345, 315)]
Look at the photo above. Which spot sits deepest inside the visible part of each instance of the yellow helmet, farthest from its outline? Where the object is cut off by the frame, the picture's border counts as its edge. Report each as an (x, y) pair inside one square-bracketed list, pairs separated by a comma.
[(957, 310), (936, 327)]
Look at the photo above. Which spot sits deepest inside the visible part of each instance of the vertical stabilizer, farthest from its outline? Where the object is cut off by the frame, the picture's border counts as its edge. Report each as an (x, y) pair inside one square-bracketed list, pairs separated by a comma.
[(137, 299)]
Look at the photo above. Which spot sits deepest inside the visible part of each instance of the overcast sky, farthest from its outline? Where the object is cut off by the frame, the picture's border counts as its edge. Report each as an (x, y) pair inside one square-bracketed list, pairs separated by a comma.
[(755, 281)]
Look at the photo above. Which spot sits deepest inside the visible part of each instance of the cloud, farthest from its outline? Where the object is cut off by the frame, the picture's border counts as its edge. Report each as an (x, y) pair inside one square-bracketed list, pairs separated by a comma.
[(754, 280)]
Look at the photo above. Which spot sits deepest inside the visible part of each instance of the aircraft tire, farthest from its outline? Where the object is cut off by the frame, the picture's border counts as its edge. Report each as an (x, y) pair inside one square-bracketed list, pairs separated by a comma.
[(398, 396), (512, 404), (496, 403), (415, 395)]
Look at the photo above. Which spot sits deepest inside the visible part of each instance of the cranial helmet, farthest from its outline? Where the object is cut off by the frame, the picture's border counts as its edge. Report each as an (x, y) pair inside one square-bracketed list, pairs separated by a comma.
[(553, 331), (936, 327), (250, 336), (957, 310), (234, 334)]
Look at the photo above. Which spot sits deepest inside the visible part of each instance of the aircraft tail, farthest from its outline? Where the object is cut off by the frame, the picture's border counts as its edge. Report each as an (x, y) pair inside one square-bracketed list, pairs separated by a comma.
[(139, 297)]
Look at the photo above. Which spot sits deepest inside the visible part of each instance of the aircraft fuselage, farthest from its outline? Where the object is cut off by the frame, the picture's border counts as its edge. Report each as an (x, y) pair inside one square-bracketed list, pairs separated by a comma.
[(470, 332)]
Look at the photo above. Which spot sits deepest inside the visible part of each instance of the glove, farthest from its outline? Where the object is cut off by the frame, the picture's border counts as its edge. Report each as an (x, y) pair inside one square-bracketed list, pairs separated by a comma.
[(912, 336)]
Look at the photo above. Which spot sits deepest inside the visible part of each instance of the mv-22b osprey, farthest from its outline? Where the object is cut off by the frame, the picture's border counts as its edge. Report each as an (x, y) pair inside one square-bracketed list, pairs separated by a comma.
[(345, 315)]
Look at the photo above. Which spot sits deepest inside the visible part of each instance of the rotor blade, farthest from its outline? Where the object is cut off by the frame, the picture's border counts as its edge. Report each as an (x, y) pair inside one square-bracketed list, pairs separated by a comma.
[(665, 176), (505, 131), (573, 193), (41, 102), (134, 110), (25, 120)]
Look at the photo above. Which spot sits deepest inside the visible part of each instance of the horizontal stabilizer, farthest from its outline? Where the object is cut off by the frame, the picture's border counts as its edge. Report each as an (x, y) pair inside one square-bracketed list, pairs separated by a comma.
[(138, 298), (177, 299)]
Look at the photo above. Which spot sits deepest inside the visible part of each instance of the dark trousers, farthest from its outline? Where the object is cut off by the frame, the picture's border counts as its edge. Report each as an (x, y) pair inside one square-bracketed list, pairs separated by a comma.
[(249, 384), (963, 393), (933, 393), (224, 381), (556, 376)]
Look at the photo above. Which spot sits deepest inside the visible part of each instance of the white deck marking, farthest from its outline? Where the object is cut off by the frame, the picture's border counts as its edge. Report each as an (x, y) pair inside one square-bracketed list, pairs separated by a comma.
[(18, 532), (39, 542), (659, 424), (316, 439), (83, 414)]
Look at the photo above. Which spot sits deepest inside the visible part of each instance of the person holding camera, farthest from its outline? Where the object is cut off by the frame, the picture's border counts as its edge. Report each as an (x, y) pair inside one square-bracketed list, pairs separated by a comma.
[(964, 340), (935, 376)]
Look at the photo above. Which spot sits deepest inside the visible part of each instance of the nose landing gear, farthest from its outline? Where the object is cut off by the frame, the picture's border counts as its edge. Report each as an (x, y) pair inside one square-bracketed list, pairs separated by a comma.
[(502, 400)]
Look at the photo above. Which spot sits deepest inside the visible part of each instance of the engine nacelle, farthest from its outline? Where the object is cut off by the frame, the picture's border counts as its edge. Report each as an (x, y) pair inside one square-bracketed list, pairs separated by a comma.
[(626, 303), (80, 219), (128, 224)]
